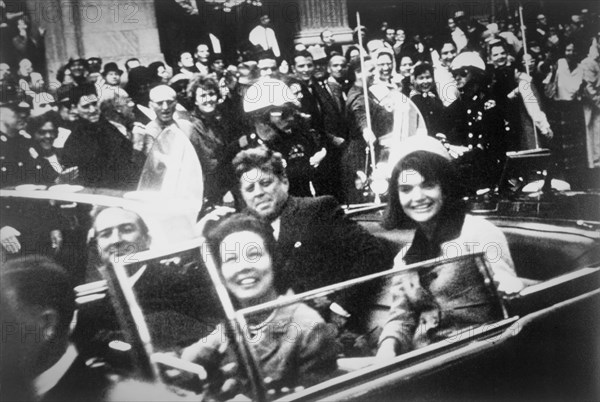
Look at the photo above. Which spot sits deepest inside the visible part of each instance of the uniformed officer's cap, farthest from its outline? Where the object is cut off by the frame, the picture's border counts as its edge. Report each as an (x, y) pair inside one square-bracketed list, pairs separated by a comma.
[(268, 92), (470, 60), (9, 94)]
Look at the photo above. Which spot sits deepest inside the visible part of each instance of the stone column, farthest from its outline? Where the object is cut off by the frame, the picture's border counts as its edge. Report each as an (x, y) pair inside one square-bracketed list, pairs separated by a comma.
[(114, 31), (318, 15)]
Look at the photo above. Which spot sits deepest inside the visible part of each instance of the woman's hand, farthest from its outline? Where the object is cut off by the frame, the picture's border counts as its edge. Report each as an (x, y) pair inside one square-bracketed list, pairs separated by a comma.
[(507, 283), (387, 349)]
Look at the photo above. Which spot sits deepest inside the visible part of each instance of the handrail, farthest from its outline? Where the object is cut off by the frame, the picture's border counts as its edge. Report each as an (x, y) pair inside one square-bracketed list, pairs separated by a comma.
[(365, 208), (326, 290)]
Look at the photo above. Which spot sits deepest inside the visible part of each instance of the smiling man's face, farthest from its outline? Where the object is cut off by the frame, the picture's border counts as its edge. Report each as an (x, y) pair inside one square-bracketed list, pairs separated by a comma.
[(265, 193)]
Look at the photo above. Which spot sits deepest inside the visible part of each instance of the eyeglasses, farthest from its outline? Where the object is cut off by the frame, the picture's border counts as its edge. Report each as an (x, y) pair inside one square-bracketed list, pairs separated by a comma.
[(52, 131)]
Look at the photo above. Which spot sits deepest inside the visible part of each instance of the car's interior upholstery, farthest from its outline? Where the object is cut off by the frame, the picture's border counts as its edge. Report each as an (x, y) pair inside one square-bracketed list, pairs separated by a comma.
[(540, 252), (543, 251)]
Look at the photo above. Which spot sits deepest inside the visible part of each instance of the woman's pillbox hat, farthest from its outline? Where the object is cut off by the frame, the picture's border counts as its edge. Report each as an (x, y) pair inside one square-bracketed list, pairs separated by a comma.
[(422, 143)]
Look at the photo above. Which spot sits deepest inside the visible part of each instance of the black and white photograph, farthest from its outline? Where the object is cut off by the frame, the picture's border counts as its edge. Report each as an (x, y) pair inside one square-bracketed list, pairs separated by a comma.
[(299, 200)]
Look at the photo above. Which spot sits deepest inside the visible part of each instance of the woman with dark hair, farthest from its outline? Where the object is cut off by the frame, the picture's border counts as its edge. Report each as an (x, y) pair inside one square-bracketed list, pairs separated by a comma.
[(562, 87), (352, 53), (424, 95), (425, 192), (209, 136), (293, 344), (159, 73), (405, 68), (44, 130)]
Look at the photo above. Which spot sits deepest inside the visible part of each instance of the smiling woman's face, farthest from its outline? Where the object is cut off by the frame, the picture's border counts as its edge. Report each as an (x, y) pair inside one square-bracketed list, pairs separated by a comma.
[(46, 135), (421, 200), (247, 267)]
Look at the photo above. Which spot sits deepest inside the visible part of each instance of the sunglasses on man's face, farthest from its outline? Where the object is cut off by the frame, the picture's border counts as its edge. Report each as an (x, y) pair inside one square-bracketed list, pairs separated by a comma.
[(460, 73), (48, 104), (282, 113)]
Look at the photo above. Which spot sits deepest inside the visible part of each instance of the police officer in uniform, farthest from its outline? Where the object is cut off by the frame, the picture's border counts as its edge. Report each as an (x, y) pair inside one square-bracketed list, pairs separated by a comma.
[(273, 110), (19, 162), (478, 132), (30, 227)]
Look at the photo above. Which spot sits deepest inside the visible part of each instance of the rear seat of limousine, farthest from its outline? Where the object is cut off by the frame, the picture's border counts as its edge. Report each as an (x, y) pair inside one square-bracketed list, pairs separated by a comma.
[(540, 251)]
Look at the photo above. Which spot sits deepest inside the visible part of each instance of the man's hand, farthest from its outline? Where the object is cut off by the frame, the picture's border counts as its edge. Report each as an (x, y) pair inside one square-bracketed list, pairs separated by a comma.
[(68, 175), (316, 159), (456, 151), (387, 349), (8, 239), (56, 240), (138, 136)]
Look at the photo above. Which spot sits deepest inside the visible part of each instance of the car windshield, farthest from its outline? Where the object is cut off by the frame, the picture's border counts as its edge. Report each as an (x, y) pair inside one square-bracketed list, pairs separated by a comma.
[(294, 341)]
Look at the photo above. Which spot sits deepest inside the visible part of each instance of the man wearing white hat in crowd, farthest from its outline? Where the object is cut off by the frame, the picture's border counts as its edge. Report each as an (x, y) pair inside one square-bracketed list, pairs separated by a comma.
[(274, 111), (479, 130)]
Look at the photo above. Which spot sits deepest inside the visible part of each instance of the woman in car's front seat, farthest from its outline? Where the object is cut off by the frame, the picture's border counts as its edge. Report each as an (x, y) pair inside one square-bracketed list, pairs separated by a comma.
[(293, 344), (425, 191)]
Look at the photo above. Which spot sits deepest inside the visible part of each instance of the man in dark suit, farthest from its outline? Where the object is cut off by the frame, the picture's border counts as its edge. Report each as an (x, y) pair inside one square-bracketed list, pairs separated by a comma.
[(105, 157), (317, 244), (38, 303)]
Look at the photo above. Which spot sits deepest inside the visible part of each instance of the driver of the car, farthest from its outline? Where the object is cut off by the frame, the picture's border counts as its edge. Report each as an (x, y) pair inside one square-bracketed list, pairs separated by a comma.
[(173, 303), (119, 233)]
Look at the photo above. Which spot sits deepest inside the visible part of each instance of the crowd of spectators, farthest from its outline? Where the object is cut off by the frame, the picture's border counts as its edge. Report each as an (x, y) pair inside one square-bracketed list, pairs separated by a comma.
[(272, 133), (543, 92)]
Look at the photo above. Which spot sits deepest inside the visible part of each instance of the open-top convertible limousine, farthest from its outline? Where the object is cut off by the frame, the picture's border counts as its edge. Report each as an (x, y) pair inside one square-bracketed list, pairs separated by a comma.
[(541, 343)]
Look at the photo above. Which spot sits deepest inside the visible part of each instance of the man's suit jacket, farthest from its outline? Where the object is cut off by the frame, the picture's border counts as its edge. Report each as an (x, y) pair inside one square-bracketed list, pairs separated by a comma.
[(83, 381), (319, 246), (105, 157)]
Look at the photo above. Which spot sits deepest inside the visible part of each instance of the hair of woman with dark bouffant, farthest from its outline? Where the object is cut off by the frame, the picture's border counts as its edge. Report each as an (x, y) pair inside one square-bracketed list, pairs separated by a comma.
[(35, 123), (434, 168), (204, 81)]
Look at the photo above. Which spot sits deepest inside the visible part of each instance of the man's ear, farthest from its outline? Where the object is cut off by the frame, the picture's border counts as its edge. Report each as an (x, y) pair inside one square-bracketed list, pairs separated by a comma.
[(49, 322), (286, 183)]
